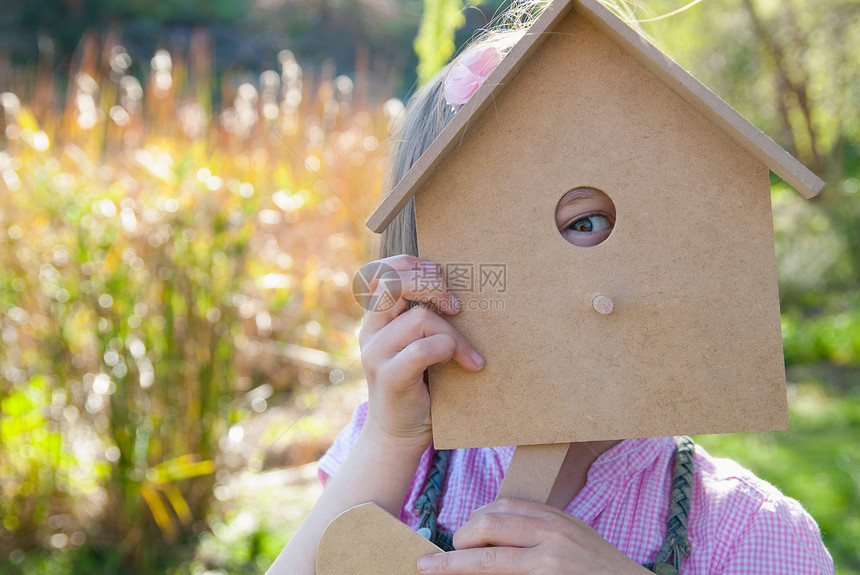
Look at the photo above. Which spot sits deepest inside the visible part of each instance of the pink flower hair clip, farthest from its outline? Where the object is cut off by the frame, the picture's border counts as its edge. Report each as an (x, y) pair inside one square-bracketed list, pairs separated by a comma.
[(468, 73)]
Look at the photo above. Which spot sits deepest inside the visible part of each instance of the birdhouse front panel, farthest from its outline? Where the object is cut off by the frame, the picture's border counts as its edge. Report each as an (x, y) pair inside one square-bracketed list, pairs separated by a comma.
[(669, 326)]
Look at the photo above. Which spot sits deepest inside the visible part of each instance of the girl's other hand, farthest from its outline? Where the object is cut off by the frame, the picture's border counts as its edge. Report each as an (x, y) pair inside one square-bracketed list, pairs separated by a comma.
[(512, 536), (398, 343)]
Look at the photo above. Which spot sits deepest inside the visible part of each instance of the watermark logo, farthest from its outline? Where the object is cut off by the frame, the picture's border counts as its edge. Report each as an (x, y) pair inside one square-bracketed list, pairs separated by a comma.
[(493, 278), (379, 274), (474, 283)]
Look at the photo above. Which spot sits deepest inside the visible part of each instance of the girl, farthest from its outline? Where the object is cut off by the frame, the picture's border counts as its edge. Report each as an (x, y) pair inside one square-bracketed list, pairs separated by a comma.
[(612, 508)]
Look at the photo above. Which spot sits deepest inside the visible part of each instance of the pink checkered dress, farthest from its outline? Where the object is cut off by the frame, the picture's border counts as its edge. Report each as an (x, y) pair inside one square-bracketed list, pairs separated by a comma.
[(737, 523)]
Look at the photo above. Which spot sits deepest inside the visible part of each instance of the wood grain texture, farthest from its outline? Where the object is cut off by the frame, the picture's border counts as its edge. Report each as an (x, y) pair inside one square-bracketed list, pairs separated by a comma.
[(367, 540), (480, 101), (533, 471), (768, 152), (693, 344), (697, 94)]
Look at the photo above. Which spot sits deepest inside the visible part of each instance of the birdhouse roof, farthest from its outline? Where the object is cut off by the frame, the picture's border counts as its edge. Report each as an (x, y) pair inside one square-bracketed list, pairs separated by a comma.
[(669, 72)]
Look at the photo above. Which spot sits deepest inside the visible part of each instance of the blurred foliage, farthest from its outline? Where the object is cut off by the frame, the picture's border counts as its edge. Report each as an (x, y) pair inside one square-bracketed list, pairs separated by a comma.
[(59, 24), (153, 254), (434, 43), (791, 68), (816, 462), (177, 238), (371, 39)]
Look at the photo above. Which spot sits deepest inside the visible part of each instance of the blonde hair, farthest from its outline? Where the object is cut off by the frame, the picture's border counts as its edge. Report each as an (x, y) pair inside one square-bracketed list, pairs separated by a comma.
[(424, 118), (427, 113)]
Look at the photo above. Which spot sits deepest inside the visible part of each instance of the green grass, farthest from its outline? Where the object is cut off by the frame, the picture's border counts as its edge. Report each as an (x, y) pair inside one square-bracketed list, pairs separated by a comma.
[(816, 462)]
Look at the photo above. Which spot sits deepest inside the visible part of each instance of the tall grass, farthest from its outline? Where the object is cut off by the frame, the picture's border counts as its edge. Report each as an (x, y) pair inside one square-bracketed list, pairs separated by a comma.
[(165, 268)]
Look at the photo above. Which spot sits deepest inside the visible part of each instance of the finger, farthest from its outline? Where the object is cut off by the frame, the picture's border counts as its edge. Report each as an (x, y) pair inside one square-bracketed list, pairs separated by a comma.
[(381, 307), (395, 291), (386, 345), (496, 560), (427, 286), (501, 530), (407, 277), (419, 323), (516, 506), (366, 281), (421, 354), (424, 277), (385, 303), (400, 262)]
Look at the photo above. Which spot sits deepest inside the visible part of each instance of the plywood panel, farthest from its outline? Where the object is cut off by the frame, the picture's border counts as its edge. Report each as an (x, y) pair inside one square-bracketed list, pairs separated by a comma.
[(693, 344), (367, 540), (768, 152)]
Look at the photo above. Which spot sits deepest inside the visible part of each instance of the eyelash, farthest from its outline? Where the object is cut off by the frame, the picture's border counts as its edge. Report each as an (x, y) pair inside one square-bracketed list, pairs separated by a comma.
[(585, 217)]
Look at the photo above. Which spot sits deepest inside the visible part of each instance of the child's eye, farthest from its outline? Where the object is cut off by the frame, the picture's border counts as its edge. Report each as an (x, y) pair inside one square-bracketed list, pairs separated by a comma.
[(591, 223), (585, 216)]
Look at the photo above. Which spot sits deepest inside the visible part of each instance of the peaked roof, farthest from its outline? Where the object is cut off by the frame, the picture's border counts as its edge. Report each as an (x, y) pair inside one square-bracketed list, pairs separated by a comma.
[(669, 72)]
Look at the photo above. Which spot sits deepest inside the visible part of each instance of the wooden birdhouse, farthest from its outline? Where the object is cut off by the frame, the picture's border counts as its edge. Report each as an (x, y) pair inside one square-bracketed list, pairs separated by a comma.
[(668, 326)]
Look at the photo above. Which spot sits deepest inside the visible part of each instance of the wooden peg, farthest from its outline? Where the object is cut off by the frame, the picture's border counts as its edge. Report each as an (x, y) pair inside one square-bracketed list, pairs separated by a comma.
[(602, 304)]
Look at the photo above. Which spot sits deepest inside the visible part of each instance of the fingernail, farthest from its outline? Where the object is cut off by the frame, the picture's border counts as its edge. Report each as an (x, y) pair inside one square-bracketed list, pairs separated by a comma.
[(425, 563), (455, 303), (479, 361)]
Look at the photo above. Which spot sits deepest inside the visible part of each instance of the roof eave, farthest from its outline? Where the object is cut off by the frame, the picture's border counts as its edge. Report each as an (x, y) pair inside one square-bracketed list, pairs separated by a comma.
[(759, 144), (669, 72), (452, 135)]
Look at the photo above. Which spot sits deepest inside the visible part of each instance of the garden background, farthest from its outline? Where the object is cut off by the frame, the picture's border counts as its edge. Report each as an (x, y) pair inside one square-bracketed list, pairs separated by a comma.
[(183, 186)]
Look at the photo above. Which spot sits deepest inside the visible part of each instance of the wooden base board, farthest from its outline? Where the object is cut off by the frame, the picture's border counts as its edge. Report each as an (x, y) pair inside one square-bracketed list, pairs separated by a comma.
[(367, 540)]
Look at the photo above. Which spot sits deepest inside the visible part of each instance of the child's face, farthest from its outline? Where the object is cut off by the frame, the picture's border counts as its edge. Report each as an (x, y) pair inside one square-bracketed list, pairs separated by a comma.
[(585, 216)]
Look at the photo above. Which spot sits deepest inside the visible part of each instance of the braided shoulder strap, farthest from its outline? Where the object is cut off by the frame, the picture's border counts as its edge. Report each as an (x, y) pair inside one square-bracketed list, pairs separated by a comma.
[(427, 505), (675, 544)]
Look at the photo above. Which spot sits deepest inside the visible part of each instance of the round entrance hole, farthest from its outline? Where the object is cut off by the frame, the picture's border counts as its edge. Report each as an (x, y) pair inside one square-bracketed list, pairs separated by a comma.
[(585, 216)]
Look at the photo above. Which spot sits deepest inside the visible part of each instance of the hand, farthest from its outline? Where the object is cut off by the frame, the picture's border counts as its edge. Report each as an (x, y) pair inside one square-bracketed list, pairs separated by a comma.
[(399, 343), (527, 538)]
